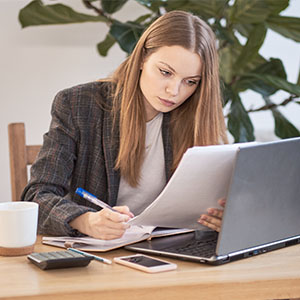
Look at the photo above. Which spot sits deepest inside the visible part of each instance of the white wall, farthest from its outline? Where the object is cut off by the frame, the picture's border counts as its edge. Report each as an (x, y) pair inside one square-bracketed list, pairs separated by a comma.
[(36, 62)]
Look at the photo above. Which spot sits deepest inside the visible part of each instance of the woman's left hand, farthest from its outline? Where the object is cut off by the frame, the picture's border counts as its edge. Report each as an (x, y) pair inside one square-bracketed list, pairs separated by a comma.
[(213, 218)]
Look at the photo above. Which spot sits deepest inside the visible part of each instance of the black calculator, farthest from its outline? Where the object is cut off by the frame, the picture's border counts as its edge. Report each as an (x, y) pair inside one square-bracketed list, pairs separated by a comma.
[(59, 259)]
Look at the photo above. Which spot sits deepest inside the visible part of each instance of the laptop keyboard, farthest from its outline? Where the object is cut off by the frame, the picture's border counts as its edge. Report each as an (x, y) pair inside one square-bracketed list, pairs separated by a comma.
[(202, 248)]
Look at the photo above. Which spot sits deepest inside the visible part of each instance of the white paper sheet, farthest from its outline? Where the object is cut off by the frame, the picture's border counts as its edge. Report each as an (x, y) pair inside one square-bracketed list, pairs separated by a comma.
[(202, 177)]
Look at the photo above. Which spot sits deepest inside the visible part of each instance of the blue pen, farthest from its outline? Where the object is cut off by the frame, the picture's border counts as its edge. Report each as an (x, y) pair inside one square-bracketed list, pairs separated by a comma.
[(88, 196), (102, 259)]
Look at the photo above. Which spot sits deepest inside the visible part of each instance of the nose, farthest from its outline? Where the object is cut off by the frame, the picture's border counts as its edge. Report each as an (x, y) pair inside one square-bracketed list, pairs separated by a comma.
[(173, 87)]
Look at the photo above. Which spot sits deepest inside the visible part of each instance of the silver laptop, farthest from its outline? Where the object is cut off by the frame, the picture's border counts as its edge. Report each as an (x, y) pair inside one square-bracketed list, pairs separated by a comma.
[(261, 214)]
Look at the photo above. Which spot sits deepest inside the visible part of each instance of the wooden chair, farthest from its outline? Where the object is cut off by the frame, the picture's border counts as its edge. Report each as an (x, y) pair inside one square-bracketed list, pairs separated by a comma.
[(21, 156)]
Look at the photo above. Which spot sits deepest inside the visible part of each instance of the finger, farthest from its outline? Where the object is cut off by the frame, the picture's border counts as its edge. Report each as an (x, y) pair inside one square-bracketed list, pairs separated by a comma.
[(103, 228), (108, 219), (211, 222), (222, 202), (107, 227), (116, 226), (116, 216), (215, 212), (210, 225), (109, 235), (124, 210)]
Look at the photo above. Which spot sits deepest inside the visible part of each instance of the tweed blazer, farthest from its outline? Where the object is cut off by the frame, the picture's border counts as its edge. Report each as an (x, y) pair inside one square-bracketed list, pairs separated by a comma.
[(79, 150)]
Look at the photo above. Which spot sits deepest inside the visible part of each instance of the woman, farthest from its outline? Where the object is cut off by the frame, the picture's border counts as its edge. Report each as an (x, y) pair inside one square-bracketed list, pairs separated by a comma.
[(122, 138)]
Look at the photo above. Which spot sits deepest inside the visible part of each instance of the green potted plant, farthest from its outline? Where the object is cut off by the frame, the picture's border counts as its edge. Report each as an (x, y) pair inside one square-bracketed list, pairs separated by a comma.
[(241, 66)]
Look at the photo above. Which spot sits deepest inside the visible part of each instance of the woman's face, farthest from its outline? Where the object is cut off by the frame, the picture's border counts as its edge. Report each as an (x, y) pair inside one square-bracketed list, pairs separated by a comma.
[(168, 78)]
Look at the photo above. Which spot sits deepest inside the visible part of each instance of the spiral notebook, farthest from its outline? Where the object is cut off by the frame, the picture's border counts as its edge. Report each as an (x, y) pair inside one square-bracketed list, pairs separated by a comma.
[(131, 235)]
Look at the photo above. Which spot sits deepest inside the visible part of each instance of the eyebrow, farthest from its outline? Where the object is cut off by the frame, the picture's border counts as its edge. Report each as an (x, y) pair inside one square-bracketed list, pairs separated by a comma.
[(167, 65)]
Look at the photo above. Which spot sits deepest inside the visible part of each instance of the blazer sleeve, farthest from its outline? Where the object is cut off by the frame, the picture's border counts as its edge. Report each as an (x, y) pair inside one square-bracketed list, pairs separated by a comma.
[(51, 174)]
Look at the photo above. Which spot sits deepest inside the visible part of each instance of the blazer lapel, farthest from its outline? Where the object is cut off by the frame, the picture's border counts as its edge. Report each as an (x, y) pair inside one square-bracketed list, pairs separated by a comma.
[(167, 142), (111, 148)]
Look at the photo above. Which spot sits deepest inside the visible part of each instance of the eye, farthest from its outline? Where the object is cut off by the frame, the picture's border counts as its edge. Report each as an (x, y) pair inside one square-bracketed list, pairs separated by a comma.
[(164, 72), (191, 82)]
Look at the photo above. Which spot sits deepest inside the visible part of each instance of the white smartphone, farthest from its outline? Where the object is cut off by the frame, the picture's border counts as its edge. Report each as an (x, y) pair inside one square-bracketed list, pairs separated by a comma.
[(145, 263)]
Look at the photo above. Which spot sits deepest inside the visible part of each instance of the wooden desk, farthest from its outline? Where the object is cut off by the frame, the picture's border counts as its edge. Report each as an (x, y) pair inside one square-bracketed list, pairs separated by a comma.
[(275, 275)]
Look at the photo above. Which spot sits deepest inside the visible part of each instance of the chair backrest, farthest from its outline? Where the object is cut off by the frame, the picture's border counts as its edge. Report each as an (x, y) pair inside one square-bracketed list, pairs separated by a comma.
[(20, 155)]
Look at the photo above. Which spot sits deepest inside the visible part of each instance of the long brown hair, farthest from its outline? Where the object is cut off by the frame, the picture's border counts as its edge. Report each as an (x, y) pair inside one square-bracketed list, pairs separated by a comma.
[(198, 121)]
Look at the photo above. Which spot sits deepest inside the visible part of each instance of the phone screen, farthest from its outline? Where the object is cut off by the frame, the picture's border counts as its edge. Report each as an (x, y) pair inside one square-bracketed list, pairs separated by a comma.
[(145, 261)]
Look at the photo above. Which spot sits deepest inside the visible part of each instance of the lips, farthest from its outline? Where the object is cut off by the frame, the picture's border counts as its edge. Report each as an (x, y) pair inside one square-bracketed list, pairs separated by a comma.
[(166, 102)]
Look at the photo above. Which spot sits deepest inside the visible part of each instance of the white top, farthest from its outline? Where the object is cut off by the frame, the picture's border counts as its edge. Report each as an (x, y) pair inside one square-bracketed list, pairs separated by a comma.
[(153, 177)]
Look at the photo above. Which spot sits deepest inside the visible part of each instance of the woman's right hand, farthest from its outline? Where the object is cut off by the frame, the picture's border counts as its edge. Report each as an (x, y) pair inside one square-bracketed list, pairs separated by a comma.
[(104, 224)]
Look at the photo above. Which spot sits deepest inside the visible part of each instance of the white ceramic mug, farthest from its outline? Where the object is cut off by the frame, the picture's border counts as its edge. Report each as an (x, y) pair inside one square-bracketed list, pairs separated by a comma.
[(18, 227)]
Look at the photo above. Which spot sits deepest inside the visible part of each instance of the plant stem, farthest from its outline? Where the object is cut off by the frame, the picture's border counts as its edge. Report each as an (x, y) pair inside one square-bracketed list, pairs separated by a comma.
[(99, 11), (273, 105)]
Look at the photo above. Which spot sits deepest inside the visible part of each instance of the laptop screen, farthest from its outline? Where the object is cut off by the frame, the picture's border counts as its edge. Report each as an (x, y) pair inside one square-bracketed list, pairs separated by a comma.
[(262, 208)]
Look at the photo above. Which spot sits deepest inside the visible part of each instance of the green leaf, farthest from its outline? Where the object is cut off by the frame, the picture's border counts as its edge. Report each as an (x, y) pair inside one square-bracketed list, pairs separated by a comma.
[(154, 5), (243, 29), (239, 123), (224, 35), (36, 13), (257, 61), (142, 18), (111, 6), (204, 8), (226, 91), (272, 67), (245, 11), (276, 6), (250, 50), (283, 128), (227, 59), (126, 34), (177, 4), (277, 82), (105, 45), (228, 56), (286, 26)]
